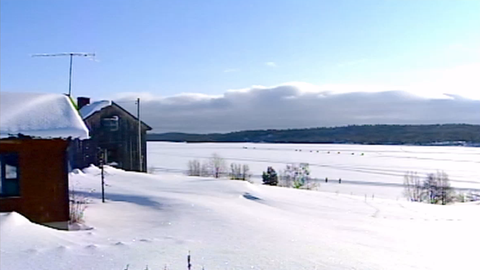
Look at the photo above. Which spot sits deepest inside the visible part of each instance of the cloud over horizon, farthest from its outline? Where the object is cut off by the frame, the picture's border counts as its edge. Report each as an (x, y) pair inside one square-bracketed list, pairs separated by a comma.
[(230, 70), (297, 105), (271, 64)]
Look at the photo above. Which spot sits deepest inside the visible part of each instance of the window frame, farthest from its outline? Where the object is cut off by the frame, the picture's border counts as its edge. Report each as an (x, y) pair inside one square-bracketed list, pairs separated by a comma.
[(3, 175), (107, 123)]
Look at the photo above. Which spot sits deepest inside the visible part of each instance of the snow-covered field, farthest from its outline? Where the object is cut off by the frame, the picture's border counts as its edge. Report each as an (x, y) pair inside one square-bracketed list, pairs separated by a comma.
[(374, 169), (155, 219)]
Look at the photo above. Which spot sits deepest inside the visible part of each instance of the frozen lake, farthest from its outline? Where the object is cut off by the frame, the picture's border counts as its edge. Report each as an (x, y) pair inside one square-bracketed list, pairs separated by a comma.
[(362, 168)]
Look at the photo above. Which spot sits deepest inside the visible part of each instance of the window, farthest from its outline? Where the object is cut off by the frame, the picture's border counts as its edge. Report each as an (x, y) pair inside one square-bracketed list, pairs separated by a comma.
[(9, 172), (110, 124)]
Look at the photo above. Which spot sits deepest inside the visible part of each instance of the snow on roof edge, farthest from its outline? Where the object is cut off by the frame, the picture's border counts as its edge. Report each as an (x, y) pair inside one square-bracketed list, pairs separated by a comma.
[(40, 115), (87, 110)]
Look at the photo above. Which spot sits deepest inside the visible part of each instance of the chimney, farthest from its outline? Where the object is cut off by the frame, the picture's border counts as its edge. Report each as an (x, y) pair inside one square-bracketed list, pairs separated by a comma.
[(82, 101)]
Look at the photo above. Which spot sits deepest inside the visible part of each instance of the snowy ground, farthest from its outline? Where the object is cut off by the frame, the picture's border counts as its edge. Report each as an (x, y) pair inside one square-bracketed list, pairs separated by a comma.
[(364, 169), (155, 220)]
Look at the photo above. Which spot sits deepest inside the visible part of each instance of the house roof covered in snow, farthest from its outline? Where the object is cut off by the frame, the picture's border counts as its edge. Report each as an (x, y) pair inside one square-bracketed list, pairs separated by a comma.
[(94, 107), (39, 115)]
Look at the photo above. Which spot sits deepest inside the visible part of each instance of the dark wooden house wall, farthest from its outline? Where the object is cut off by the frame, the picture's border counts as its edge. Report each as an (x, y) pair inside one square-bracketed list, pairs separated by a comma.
[(43, 177), (121, 145)]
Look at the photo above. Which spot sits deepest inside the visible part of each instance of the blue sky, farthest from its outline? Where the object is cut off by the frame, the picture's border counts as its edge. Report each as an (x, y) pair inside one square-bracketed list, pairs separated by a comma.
[(169, 47)]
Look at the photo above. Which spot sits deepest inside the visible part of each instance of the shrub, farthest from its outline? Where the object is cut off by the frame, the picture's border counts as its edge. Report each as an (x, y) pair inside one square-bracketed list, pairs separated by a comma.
[(77, 206)]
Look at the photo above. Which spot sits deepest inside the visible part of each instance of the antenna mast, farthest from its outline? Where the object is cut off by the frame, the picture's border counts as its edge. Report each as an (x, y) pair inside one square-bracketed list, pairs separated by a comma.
[(71, 55)]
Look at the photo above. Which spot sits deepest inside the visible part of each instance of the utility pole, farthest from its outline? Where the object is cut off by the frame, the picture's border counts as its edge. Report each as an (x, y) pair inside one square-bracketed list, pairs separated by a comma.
[(103, 183), (71, 55), (140, 156), (103, 160)]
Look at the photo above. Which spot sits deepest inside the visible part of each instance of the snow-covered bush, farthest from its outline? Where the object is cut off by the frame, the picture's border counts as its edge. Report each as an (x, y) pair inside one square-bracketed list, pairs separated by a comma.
[(434, 189), (239, 172), (296, 176)]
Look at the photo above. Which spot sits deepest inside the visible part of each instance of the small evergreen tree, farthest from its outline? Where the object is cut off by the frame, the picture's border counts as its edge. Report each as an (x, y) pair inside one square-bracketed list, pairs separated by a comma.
[(270, 177)]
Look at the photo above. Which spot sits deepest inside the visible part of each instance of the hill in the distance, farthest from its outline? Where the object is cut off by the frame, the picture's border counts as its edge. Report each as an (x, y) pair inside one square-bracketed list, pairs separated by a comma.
[(364, 134)]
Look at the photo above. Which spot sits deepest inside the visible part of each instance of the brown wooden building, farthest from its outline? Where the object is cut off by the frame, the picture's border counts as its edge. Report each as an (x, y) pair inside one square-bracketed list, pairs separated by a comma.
[(113, 131), (35, 131), (35, 179)]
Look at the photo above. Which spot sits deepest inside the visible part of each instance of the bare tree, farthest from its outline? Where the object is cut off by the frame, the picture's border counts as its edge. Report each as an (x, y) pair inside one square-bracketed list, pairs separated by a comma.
[(445, 192), (194, 168), (205, 170), (239, 172), (218, 165), (413, 186), (246, 172), (430, 186)]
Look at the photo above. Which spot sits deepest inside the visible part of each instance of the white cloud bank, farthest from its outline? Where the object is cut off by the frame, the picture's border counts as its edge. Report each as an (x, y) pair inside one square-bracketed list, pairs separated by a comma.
[(299, 105), (271, 64)]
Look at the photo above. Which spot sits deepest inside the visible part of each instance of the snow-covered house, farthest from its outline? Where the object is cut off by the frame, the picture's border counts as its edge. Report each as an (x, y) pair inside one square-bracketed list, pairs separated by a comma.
[(114, 134), (35, 130)]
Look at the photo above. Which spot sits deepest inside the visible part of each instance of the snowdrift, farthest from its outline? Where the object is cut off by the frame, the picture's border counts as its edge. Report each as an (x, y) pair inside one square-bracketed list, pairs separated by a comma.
[(155, 220)]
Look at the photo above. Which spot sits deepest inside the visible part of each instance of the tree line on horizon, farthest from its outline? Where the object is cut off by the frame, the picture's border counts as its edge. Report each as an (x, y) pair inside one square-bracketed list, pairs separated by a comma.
[(358, 134)]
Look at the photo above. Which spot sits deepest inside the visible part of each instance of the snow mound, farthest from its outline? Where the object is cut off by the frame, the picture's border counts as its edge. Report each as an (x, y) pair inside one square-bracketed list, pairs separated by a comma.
[(92, 169), (11, 220), (77, 171), (15, 226)]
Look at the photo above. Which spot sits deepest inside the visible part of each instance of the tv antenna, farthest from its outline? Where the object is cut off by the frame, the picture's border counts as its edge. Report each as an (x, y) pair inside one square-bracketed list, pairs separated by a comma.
[(71, 54)]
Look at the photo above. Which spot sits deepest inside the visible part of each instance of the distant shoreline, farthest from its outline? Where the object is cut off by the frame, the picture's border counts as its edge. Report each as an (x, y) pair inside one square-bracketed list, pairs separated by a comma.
[(384, 144), (416, 135)]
